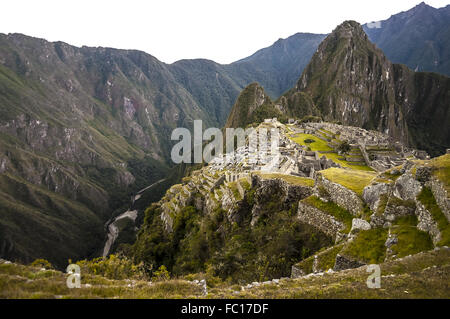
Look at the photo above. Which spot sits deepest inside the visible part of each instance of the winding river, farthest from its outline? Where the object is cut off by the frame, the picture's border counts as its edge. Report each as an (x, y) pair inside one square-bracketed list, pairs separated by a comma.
[(113, 229)]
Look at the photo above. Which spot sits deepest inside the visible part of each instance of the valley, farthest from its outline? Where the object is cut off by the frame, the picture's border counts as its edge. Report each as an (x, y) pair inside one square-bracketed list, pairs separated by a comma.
[(346, 165)]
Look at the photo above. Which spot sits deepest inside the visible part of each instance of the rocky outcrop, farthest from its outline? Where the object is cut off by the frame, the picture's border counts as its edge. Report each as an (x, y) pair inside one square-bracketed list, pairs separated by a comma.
[(358, 225), (372, 194), (407, 187)]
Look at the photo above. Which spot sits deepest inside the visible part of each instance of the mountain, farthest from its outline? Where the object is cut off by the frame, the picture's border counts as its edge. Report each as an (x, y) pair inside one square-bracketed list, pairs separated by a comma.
[(83, 129), (278, 67), (351, 81), (252, 106), (80, 130), (419, 38)]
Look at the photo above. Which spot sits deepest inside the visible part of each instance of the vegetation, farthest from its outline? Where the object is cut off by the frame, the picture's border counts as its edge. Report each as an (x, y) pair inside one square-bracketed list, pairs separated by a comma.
[(113, 267), (332, 209), (320, 145), (368, 246), (427, 199), (355, 180), (294, 180), (235, 252), (425, 275), (410, 241), (344, 147)]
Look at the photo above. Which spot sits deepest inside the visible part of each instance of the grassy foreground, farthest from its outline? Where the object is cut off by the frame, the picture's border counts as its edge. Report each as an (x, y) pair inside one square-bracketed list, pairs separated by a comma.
[(425, 275)]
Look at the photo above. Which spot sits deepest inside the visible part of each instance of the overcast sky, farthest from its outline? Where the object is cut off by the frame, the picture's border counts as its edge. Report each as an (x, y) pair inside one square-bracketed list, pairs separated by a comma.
[(223, 31)]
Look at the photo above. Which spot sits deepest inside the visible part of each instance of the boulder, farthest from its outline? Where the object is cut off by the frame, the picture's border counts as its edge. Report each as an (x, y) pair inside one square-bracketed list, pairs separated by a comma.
[(407, 187), (372, 194), (359, 224)]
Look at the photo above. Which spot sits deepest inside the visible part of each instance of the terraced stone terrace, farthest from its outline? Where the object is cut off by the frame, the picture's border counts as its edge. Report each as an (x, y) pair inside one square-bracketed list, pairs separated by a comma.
[(369, 150)]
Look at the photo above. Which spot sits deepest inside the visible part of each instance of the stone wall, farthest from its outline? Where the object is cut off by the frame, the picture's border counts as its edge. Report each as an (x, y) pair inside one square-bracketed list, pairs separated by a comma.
[(322, 221), (441, 196), (341, 195), (427, 223)]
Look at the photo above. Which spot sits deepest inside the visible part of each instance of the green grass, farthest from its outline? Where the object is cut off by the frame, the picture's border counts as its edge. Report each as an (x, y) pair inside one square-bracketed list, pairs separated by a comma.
[(234, 189), (428, 200), (425, 275), (332, 209), (26, 282), (327, 259), (410, 240), (382, 204), (413, 277), (353, 180), (306, 265), (368, 246), (294, 180), (322, 146)]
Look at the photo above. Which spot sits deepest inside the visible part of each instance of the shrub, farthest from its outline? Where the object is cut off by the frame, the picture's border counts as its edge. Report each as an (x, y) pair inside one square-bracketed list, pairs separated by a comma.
[(344, 147), (42, 263), (161, 274), (113, 267)]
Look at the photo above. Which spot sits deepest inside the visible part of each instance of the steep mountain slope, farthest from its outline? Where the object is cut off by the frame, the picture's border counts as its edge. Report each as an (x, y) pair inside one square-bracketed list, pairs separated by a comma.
[(351, 81), (277, 67), (419, 38), (80, 129), (252, 106)]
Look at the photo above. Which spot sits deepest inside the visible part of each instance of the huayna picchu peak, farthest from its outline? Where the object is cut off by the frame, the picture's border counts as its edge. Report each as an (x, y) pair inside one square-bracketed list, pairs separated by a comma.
[(350, 81), (317, 167)]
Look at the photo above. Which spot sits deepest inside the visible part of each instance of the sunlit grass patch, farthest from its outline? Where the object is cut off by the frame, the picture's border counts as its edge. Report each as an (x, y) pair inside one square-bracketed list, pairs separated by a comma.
[(353, 180)]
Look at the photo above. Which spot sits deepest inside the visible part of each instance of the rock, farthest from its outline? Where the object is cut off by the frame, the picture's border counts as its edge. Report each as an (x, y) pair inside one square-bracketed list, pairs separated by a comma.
[(423, 174), (372, 194), (391, 240), (297, 272), (406, 187), (323, 221), (343, 263), (359, 224)]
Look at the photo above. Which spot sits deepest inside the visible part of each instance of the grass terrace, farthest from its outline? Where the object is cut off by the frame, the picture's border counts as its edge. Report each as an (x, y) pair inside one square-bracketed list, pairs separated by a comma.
[(294, 180), (322, 146), (441, 169), (410, 239), (353, 180), (368, 246), (332, 209)]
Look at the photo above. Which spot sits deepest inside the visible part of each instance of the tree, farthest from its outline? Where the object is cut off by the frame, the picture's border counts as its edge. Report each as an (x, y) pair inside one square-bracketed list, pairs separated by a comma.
[(344, 147)]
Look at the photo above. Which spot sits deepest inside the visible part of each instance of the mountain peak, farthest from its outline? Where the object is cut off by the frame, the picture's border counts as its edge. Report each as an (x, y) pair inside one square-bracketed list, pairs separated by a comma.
[(252, 106), (349, 29)]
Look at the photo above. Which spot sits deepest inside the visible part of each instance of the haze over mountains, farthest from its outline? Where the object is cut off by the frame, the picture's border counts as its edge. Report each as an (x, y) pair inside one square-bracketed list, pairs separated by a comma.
[(81, 129)]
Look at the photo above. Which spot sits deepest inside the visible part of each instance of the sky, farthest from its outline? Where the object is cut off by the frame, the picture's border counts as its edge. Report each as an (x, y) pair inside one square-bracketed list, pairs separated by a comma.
[(170, 30)]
